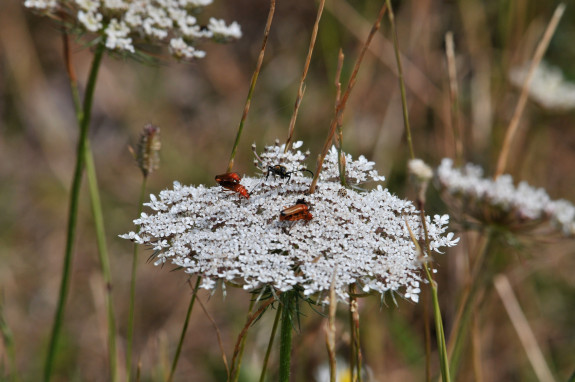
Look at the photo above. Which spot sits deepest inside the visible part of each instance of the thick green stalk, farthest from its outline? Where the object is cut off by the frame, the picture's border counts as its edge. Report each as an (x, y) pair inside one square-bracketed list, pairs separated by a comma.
[(130, 338), (184, 330), (270, 344), (96, 212), (103, 257), (73, 212), (287, 299)]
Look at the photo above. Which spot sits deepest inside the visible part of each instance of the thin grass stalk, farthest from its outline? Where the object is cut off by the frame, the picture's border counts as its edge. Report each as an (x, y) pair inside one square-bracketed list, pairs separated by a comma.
[(427, 331), (537, 57), (218, 335), (459, 328), (330, 330), (97, 213), (401, 81), (440, 334), (341, 105), (138, 372), (103, 257), (339, 136), (352, 358), (252, 84), (524, 331), (454, 97), (476, 347), (71, 75), (238, 365), (287, 299), (73, 211), (439, 331), (354, 309), (130, 339), (441, 346), (304, 75), (245, 329), (8, 341), (184, 330), (270, 343)]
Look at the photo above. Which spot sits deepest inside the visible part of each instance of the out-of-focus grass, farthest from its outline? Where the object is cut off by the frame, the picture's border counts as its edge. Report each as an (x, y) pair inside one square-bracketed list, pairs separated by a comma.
[(198, 107)]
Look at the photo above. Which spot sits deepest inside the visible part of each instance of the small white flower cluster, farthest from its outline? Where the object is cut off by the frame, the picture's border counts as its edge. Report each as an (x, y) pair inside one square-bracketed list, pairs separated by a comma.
[(357, 172), (121, 22), (548, 86), (419, 169), (499, 200), (360, 238)]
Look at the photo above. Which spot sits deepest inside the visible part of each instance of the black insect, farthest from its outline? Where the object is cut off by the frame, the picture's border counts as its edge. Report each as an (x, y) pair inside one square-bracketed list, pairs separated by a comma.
[(282, 172)]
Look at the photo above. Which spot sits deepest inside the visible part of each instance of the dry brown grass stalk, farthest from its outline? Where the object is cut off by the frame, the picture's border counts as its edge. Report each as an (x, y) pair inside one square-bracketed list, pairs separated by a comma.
[(253, 83), (304, 75), (454, 97), (521, 325), (537, 57), (341, 105)]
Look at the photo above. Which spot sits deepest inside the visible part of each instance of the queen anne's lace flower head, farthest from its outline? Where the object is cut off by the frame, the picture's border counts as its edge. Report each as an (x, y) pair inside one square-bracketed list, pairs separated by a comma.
[(500, 201), (122, 23), (362, 238)]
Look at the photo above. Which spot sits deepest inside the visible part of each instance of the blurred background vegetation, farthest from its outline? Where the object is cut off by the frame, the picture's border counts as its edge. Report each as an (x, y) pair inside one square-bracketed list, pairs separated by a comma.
[(198, 107)]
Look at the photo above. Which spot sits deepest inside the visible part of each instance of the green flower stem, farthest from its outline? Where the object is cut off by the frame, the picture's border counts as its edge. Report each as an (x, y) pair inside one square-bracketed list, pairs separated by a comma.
[(97, 213), (287, 299), (73, 212), (352, 358), (441, 345), (103, 257), (439, 332), (355, 364), (130, 338), (184, 330), (271, 342)]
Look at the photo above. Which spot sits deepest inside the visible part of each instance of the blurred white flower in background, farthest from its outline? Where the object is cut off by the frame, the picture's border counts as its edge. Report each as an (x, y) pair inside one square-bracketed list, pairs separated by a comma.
[(500, 201), (548, 86)]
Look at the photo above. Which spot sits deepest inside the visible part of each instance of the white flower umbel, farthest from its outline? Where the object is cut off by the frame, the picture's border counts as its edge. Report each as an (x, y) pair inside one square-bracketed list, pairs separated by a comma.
[(361, 237), (548, 86), (499, 201), (123, 23)]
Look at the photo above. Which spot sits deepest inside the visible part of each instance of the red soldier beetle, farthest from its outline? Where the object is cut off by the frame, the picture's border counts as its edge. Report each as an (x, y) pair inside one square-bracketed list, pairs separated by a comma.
[(299, 211)]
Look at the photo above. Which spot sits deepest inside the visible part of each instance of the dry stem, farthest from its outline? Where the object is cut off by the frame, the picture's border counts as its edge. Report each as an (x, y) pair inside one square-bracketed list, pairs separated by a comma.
[(341, 105), (454, 97), (514, 124), (253, 83), (522, 328), (220, 343), (303, 76), (330, 330)]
